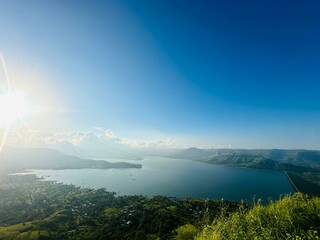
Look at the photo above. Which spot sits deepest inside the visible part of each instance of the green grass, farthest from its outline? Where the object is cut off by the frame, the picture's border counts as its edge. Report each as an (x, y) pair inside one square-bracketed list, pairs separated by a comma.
[(31, 230), (292, 217), (26, 231), (186, 232), (11, 232)]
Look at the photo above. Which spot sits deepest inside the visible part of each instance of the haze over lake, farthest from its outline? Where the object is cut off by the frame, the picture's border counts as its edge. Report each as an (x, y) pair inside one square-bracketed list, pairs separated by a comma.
[(179, 178)]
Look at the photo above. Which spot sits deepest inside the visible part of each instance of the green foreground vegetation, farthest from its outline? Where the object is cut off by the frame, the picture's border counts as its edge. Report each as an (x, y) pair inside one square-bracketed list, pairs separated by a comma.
[(295, 217), (35, 209)]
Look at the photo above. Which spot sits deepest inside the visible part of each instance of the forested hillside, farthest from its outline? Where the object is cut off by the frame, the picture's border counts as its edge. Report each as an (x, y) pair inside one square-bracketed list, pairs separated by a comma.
[(33, 209), (303, 166)]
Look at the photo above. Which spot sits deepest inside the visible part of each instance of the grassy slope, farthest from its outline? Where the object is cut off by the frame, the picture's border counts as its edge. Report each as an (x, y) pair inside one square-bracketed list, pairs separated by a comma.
[(296, 217), (22, 231)]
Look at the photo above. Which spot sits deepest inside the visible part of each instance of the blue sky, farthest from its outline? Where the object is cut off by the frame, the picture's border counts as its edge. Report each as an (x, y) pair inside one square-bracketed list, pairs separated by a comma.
[(205, 73)]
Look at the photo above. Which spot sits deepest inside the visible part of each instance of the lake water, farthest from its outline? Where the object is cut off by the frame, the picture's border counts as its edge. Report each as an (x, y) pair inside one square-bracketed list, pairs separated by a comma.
[(178, 178)]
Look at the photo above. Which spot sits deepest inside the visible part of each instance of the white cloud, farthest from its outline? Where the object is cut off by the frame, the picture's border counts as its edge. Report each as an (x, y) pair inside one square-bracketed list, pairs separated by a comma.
[(168, 143), (110, 134), (98, 138)]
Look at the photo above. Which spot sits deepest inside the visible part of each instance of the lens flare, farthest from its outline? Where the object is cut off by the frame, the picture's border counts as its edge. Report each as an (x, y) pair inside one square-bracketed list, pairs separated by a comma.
[(13, 106), (5, 70)]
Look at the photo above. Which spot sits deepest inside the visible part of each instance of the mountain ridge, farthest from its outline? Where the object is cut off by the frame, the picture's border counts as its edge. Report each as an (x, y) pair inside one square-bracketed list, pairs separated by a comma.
[(17, 159)]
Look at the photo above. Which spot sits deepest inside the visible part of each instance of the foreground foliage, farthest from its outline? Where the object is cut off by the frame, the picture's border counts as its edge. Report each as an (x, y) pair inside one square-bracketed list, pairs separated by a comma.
[(33, 209), (295, 217)]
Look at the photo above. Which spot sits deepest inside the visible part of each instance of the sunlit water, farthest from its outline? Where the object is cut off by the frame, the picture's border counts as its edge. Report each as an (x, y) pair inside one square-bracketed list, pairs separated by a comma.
[(178, 178)]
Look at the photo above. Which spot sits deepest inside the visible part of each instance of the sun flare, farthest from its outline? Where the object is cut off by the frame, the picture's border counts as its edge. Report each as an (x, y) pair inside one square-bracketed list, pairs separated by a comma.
[(13, 106)]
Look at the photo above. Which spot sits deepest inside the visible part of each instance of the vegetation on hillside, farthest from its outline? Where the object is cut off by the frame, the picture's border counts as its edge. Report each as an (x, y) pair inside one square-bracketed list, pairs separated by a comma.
[(305, 185), (302, 166), (33, 209), (304, 158), (249, 161), (292, 217), (305, 178)]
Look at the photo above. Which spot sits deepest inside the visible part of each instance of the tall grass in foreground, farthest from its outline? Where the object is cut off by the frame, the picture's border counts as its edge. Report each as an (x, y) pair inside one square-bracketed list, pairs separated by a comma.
[(292, 217)]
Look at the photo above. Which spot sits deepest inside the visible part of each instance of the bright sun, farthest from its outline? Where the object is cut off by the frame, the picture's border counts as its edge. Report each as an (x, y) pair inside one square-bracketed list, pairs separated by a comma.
[(13, 106)]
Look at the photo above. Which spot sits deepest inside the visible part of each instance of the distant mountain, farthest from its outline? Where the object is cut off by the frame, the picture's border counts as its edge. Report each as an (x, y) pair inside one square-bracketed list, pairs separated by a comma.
[(251, 161), (89, 152), (193, 153), (303, 158), (16, 159), (302, 165)]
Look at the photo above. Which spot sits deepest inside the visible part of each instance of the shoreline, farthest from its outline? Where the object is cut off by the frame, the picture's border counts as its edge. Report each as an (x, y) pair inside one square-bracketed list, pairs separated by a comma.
[(292, 183)]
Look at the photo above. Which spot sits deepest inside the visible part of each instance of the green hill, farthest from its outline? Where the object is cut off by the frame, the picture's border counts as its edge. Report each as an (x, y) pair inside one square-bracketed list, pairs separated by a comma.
[(33, 209), (18, 159), (295, 217), (252, 161), (305, 158), (303, 166)]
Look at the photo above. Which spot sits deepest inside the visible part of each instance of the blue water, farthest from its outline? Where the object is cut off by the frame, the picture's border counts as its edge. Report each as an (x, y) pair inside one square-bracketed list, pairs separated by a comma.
[(179, 178)]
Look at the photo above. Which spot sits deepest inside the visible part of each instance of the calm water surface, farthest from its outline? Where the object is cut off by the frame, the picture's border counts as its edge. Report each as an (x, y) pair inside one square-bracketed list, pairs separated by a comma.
[(178, 178)]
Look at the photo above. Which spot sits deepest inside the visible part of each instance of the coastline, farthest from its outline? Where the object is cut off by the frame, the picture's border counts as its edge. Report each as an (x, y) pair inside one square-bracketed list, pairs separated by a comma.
[(292, 183)]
